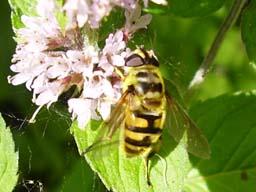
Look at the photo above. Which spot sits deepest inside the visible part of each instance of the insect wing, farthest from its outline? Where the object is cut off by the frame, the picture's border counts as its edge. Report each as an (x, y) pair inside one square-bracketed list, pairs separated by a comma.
[(117, 115), (108, 128), (179, 123)]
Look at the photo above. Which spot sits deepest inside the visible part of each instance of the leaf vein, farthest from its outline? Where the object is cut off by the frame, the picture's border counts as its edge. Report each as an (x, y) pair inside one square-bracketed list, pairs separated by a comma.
[(240, 107), (240, 144), (120, 167), (222, 174)]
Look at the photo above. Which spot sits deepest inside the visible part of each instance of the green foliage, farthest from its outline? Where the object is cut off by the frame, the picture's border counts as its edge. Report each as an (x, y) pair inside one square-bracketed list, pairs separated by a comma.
[(191, 8), (248, 28), (231, 167), (230, 125), (186, 8), (81, 177), (156, 9), (8, 159), (19, 8), (28, 8), (119, 173), (47, 152)]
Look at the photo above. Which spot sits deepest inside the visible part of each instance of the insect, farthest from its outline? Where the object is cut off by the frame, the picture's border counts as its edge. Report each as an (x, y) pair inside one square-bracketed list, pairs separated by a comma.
[(146, 108)]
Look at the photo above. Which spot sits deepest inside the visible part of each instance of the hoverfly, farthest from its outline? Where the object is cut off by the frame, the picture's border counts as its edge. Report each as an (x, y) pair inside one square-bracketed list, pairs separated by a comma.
[(143, 109)]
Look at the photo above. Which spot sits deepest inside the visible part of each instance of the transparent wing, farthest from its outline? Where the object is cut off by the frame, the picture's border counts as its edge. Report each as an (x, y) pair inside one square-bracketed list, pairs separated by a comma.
[(179, 123), (108, 128)]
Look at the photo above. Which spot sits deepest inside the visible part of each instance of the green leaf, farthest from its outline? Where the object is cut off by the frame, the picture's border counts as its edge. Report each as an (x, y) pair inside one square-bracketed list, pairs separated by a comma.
[(28, 8), (192, 8), (16, 19), (248, 29), (19, 8), (120, 173), (230, 125), (81, 177), (8, 159), (156, 9)]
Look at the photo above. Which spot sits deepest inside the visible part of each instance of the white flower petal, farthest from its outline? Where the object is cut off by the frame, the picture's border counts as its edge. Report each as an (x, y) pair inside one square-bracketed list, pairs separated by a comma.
[(19, 78), (29, 83), (118, 60), (83, 110), (135, 21), (81, 19), (106, 87), (57, 71), (45, 97), (144, 21), (39, 83), (106, 66), (31, 22), (77, 12), (104, 110), (80, 109), (45, 7)]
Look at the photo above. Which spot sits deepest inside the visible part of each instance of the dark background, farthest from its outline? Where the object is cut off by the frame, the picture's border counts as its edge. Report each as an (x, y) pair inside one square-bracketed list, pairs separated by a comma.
[(48, 157)]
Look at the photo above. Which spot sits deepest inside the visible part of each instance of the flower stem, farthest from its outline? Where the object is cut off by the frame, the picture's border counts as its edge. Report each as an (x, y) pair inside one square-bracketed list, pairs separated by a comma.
[(208, 60)]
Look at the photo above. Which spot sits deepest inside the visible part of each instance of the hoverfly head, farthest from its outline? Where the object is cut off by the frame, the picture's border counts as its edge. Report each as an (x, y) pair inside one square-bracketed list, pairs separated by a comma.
[(141, 57)]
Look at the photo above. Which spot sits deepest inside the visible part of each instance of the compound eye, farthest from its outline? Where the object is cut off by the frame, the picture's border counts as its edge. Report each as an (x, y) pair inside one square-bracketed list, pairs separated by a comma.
[(134, 61)]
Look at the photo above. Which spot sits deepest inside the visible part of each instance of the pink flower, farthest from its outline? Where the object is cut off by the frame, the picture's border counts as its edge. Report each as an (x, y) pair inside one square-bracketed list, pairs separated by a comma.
[(127, 4), (46, 8), (82, 61), (99, 9), (134, 20), (80, 12), (114, 52), (97, 97), (50, 60), (46, 71), (98, 86), (83, 110), (77, 12)]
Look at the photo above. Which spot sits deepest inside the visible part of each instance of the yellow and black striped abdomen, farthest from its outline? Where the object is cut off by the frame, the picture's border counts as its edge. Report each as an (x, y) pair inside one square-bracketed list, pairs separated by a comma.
[(145, 113), (142, 133)]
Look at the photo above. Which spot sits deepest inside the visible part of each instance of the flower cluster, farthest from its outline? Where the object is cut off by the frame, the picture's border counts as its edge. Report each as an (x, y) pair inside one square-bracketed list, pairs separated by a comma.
[(82, 11), (50, 60)]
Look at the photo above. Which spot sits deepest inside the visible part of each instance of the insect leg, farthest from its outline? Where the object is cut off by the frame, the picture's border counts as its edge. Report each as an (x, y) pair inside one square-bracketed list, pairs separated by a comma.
[(94, 145), (146, 163)]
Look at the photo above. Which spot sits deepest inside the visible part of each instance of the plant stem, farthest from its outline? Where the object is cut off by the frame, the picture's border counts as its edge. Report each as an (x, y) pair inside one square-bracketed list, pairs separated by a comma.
[(208, 60)]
